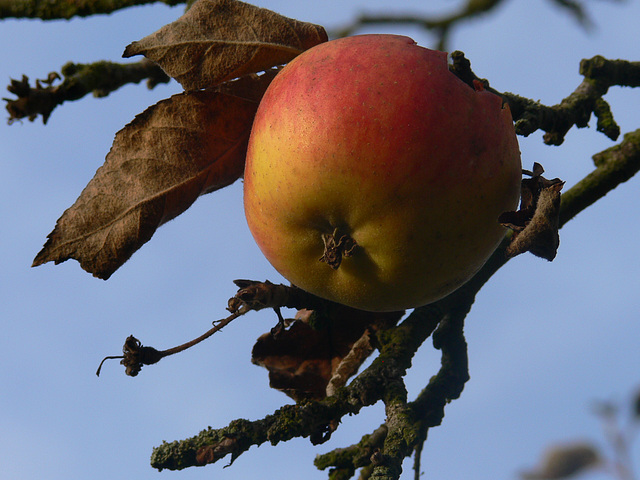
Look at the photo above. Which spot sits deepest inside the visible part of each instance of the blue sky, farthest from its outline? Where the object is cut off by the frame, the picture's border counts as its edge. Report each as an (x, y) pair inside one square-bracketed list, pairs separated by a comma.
[(545, 339)]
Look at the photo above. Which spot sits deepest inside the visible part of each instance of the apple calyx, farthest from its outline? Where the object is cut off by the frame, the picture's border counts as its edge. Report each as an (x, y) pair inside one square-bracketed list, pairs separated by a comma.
[(334, 249)]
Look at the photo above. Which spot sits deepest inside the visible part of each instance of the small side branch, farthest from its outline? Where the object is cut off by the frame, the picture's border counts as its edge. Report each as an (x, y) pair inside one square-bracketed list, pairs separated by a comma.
[(254, 295), (100, 78), (614, 166), (599, 75), (345, 461), (449, 382), (382, 452), (613, 72), (60, 9), (291, 421), (440, 25), (408, 423)]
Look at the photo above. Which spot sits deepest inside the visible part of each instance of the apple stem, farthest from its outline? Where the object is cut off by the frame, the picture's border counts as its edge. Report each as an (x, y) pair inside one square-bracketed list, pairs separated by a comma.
[(335, 247)]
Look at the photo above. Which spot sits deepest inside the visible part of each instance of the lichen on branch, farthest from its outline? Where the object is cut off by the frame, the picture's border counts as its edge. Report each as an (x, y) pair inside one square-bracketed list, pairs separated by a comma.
[(576, 109), (614, 166), (100, 78)]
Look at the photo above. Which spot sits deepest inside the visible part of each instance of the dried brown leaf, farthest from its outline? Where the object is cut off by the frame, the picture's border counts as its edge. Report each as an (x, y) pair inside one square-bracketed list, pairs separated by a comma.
[(309, 363), (536, 223), (176, 150), (219, 40)]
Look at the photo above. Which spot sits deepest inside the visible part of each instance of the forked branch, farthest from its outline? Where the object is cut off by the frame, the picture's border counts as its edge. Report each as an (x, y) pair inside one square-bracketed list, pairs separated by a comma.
[(599, 74), (381, 453)]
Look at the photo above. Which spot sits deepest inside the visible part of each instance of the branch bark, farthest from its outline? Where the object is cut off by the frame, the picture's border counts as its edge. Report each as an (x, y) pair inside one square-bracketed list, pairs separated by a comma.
[(100, 78), (60, 9), (614, 166), (599, 73)]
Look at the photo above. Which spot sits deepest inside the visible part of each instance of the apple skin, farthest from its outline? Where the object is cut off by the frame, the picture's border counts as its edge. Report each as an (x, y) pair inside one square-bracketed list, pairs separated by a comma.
[(372, 136)]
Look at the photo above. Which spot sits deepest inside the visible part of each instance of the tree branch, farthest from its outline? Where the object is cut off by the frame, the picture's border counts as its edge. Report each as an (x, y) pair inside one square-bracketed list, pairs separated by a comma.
[(100, 78), (343, 462), (61, 9), (407, 422), (381, 381), (307, 419), (441, 26), (614, 166), (576, 109)]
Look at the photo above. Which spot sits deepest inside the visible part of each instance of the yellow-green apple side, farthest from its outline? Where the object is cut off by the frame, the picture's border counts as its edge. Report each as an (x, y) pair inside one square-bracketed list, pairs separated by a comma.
[(371, 138)]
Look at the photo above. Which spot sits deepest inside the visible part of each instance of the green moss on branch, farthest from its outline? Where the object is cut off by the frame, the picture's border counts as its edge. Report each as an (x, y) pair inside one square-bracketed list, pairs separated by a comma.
[(529, 116), (100, 78), (614, 166)]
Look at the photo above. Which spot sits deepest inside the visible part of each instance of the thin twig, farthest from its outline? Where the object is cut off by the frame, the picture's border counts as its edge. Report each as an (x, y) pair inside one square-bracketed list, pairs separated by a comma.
[(440, 25), (136, 355)]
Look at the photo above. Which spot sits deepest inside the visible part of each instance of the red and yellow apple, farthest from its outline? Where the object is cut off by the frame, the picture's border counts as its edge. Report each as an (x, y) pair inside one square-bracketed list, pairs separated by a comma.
[(375, 177)]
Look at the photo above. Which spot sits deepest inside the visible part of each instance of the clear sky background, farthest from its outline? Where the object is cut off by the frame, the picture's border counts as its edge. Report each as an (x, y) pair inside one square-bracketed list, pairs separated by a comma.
[(546, 340)]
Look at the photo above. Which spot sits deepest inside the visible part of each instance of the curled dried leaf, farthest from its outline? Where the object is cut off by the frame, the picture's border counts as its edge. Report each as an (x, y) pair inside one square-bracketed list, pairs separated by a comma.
[(178, 149), (309, 362), (218, 40), (536, 223)]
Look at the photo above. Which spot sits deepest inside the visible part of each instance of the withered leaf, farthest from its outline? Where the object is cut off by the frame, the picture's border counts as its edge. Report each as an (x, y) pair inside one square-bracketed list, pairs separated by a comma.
[(308, 363), (536, 223), (540, 236), (176, 150), (218, 40)]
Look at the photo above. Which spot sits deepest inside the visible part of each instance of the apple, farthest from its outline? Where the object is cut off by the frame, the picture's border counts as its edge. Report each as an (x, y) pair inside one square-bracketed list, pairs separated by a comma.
[(375, 177)]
